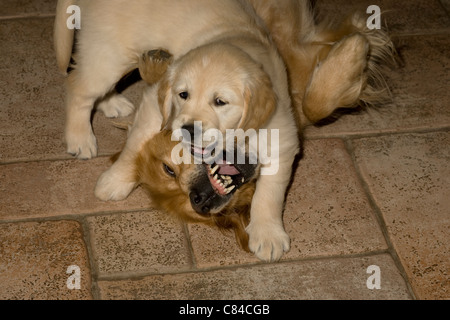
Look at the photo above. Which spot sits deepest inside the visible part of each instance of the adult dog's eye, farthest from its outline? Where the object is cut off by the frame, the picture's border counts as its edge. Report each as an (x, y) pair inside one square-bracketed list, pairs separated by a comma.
[(219, 102), (184, 95), (169, 170)]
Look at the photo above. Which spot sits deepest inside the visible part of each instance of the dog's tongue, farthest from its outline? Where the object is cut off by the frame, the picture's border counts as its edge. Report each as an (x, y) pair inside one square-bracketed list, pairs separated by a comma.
[(198, 150), (227, 169)]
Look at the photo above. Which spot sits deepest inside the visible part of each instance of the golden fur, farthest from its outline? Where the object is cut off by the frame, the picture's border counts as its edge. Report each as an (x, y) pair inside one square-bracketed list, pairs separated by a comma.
[(172, 193), (216, 34), (328, 67)]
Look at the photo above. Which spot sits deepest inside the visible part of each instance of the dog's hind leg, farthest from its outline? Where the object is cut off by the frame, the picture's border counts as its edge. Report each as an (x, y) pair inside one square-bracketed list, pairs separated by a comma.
[(338, 80), (348, 72), (115, 105), (92, 78), (79, 137)]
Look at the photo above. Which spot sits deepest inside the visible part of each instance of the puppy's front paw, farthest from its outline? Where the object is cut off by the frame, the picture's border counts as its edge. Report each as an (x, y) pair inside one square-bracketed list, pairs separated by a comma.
[(267, 241), (110, 186), (81, 143)]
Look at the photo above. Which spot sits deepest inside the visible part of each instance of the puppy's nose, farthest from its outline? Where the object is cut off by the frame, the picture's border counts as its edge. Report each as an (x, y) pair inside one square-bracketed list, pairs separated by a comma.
[(198, 201)]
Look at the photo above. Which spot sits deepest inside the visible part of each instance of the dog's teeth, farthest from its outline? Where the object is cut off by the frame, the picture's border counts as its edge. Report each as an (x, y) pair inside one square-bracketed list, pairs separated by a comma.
[(243, 180), (213, 170), (216, 177), (230, 189)]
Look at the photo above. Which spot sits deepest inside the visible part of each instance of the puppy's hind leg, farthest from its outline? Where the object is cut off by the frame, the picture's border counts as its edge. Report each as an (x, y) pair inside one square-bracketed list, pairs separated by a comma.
[(79, 137), (92, 78), (115, 105)]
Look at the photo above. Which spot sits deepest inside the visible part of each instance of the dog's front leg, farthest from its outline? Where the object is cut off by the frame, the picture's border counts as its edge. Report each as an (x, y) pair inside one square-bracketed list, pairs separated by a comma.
[(118, 181), (267, 238)]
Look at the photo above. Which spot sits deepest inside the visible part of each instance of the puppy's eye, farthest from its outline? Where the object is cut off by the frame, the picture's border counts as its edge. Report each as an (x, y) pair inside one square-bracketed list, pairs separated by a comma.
[(169, 170), (184, 95), (220, 103)]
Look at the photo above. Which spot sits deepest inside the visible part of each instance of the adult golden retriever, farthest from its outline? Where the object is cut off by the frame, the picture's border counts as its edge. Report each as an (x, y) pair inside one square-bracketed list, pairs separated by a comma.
[(171, 187), (227, 73)]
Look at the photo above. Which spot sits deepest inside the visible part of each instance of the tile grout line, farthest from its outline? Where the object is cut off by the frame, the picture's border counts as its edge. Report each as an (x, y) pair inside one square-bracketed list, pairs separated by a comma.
[(27, 16), (133, 275), (55, 159), (190, 248), (75, 217), (374, 134), (379, 217), (93, 267)]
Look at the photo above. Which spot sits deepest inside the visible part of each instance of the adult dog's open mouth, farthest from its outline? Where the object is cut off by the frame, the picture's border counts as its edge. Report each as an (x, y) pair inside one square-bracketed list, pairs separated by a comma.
[(218, 179), (224, 176)]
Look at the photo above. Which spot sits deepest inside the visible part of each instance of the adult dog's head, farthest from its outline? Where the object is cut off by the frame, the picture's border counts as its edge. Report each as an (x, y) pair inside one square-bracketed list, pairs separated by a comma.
[(217, 194), (220, 86)]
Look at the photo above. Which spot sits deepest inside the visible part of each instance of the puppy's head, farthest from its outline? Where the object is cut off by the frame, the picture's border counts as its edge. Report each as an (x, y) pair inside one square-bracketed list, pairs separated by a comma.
[(218, 194), (219, 85)]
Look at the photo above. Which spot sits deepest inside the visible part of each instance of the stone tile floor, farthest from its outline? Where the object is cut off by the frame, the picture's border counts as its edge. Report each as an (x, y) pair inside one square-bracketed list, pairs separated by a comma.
[(372, 188)]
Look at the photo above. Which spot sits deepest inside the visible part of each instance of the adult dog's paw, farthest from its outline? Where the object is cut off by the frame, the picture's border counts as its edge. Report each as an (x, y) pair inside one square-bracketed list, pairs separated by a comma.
[(110, 186), (267, 241)]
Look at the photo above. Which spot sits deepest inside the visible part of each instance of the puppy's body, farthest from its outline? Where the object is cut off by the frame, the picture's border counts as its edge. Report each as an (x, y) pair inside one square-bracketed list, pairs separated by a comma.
[(112, 38), (115, 34)]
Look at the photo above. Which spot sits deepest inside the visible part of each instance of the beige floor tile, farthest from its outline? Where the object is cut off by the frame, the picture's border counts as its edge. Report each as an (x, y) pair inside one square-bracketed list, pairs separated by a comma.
[(322, 279), (32, 97), (13, 8), (419, 90), (213, 248), (327, 211), (424, 76), (446, 4), (145, 242), (408, 176), (54, 188), (145, 254), (400, 16), (35, 257)]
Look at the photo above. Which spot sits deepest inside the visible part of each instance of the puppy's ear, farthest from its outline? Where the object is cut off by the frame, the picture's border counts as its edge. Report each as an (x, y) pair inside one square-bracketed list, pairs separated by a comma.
[(259, 103), (165, 100)]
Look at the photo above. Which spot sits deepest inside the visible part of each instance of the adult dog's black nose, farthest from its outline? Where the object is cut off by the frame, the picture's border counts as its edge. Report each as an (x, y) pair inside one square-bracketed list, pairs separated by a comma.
[(199, 202)]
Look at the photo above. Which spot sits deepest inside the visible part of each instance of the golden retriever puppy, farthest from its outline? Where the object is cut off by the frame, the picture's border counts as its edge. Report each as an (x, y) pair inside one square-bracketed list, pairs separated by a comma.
[(225, 65), (179, 188), (223, 77)]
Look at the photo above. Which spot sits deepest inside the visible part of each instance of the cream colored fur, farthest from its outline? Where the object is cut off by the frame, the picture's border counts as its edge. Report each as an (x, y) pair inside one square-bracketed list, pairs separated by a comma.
[(115, 34)]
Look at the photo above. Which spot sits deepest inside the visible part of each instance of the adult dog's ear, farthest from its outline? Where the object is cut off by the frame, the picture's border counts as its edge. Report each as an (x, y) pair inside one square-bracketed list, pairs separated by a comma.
[(259, 103), (165, 100)]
